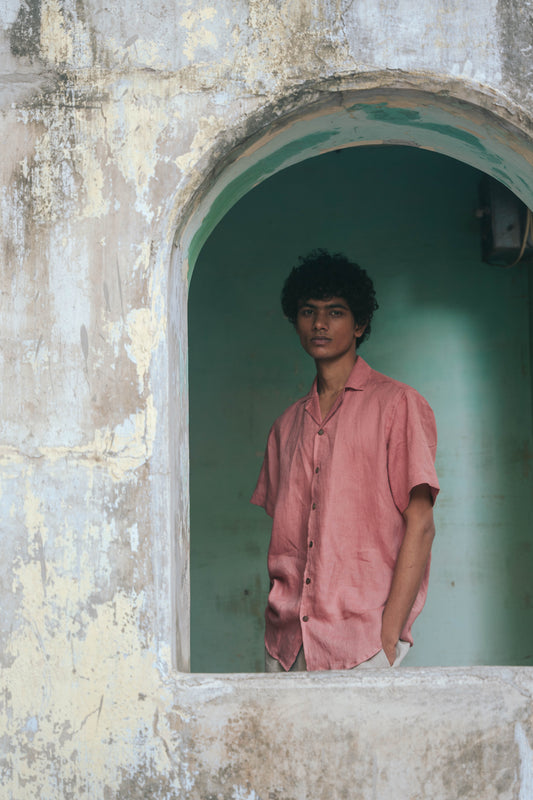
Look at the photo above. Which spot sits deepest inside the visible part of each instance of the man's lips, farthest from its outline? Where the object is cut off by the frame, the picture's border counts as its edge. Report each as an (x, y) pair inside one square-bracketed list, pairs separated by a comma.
[(320, 340)]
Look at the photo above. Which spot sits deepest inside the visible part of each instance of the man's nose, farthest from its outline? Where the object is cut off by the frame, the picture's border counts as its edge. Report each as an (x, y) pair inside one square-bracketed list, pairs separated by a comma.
[(321, 321)]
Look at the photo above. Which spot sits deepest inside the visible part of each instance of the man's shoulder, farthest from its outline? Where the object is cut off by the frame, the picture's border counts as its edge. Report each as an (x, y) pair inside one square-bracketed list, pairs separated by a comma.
[(380, 382), (395, 388)]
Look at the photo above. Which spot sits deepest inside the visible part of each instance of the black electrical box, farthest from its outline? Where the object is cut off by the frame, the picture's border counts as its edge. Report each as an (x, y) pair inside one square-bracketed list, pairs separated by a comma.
[(504, 225)]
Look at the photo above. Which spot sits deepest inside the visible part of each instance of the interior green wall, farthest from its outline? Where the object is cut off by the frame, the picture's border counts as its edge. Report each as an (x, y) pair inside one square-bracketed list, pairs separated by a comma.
[(455, 328)]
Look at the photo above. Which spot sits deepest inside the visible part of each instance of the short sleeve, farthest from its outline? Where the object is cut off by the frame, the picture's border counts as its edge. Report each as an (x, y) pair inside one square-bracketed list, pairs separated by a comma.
[(266, 490), (412, 447)]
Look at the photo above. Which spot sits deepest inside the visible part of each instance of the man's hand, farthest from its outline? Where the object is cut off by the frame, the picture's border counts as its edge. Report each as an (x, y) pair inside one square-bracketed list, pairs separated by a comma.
[(410, 567), (389, 646)]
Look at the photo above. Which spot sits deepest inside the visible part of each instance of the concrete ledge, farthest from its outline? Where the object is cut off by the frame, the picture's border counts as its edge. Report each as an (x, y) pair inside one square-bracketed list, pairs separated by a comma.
[(415, 733)]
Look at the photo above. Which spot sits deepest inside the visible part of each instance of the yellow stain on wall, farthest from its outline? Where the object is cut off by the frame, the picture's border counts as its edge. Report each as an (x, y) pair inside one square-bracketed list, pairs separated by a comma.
[(207, 131), (144, 331), (120, 449), (62, 43), (97, 689), (96, 205), (198, 35), (34, 517), (134, 124), (55, 39)]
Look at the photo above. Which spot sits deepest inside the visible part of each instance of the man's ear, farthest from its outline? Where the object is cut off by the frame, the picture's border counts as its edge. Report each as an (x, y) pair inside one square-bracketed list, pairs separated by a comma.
[(359, 330)]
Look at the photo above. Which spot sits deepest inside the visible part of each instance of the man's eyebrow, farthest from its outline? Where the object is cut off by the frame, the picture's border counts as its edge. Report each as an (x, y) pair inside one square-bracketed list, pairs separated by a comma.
[(309, 304)]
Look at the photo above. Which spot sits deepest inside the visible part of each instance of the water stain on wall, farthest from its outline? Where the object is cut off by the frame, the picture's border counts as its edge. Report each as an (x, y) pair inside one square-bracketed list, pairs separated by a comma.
[(25, 34)]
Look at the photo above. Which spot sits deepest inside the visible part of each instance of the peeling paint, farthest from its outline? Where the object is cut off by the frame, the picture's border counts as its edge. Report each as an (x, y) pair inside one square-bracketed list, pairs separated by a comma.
[(64, 38), (197, 35), (134, 124), (55, 38), (96, 203), (33, 512), (208, 129), (144, 332), (82, 721), (123, 449)]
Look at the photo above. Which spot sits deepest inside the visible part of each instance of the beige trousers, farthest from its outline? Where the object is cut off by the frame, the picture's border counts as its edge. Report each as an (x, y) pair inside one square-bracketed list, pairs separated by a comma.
[(379, 661)]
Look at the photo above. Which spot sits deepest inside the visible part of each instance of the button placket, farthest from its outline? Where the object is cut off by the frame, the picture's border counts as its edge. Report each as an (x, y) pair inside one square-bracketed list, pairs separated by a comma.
[(316, 459), (312, 523), (313, 518)]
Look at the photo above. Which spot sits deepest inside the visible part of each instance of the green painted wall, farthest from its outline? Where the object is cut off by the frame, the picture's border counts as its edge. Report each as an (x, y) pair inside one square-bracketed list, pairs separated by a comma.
[(455, 328)]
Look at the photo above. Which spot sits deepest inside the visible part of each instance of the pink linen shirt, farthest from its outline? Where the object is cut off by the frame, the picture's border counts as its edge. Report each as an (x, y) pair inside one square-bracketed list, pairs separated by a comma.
[(336, 489)]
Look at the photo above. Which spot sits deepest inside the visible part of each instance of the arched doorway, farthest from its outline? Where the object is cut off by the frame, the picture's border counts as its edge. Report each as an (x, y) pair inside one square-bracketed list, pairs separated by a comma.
[(408, 217), (427, 126)]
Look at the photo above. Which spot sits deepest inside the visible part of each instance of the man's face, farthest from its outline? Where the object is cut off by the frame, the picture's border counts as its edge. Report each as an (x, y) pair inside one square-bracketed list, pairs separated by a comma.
[(327, 329)]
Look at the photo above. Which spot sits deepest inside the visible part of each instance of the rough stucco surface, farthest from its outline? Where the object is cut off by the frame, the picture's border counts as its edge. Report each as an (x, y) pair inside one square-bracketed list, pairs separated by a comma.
[(369, 731), (112, 117)]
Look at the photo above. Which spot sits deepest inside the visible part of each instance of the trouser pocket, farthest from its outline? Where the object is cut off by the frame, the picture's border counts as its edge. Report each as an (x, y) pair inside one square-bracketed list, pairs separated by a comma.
[(402, 648), (380, 660)]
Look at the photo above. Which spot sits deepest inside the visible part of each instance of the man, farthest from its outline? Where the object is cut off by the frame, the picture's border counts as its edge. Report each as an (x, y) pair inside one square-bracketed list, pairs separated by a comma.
[(349, 480)]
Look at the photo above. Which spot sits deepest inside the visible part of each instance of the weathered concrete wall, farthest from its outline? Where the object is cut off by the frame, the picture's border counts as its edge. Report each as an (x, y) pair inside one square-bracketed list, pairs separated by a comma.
[(116, 121), (449, 734)]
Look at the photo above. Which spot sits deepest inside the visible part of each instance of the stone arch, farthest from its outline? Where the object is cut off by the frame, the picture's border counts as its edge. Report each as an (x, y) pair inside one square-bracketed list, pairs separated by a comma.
[(454, 119)]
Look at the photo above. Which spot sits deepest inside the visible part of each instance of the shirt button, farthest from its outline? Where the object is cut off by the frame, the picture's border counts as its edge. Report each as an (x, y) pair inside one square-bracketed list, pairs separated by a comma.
[(304, 619), (310, 544), (321, 431), (317, 469), (313, 506), (308, 580)]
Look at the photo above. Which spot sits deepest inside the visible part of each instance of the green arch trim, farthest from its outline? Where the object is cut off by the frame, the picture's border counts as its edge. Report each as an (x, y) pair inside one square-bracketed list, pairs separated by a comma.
[(416, 119)]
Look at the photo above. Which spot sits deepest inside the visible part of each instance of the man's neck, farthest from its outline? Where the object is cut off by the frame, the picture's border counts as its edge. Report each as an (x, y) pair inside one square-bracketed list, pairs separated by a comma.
[(332, 375)]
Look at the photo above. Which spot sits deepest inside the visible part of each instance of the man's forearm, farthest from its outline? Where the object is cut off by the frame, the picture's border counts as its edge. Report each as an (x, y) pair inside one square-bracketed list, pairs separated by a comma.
[(410, 568)]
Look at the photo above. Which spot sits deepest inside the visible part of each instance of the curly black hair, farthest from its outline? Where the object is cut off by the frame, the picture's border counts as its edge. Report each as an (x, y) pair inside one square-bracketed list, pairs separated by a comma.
[(320, 275)]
